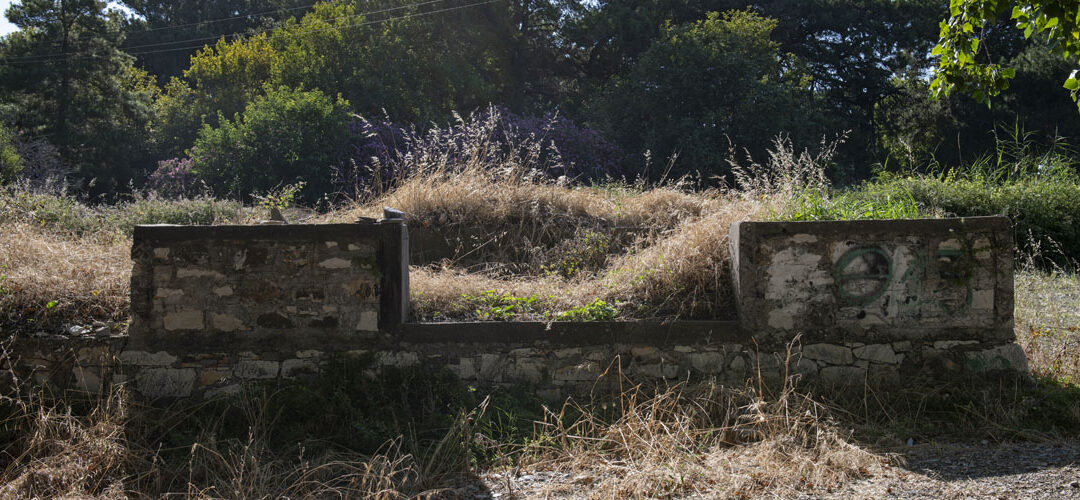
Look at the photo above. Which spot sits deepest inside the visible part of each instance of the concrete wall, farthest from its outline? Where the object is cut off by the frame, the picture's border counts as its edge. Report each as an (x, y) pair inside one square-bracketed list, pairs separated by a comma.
[(842, 303), (876, 281)]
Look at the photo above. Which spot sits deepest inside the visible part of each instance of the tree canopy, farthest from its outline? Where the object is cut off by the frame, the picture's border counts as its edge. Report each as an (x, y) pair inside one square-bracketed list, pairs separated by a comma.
[(969, 64)]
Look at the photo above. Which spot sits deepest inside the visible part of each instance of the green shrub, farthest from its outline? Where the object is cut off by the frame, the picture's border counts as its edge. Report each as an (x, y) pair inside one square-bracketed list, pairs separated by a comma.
[(1044, 206), (815, 204), (61, 213), (285, 137), (11, 164)]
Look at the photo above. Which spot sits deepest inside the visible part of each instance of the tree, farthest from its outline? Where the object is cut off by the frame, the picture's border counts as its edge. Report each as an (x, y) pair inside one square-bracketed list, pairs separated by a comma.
[(706, 85), (67, 80), (968, 64), (165, 34)]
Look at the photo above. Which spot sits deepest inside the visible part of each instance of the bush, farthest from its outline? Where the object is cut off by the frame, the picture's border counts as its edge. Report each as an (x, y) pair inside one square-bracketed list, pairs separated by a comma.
[(1044, 207), (60, 213), (175, 179), (285, 137), (11, 164)]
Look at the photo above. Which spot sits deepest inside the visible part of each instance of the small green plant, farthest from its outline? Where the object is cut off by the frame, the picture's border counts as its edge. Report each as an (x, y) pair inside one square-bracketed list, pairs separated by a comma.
[(280, 197), (494, 306), (597, 310)]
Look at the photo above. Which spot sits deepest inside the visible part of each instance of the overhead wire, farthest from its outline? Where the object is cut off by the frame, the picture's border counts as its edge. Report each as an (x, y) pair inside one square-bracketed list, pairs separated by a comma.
[(54, 56)]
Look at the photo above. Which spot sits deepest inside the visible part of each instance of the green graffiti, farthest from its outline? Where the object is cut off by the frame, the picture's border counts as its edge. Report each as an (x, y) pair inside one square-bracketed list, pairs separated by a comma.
[(878, 266)]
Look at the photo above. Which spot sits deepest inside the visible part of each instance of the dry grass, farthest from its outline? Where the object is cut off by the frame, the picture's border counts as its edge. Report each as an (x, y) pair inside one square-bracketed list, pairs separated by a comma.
[(47, 279), (709, 441), (530, 237), (706, 440), (1048, 322)]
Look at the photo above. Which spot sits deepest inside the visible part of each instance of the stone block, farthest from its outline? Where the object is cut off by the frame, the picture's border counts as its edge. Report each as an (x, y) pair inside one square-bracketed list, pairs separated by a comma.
[(212, 377), (184, 320), (335, 263), (143, 358), (660, 369), (195, 272), (707, 362), (223, 291), (943, 345), (877, 353), (227, 322), (399, 359), (569, 352), (88, 379), (256, 369), (533, 370), (584, 372), (227, 391), (369, 321), (828, 353), (165, 382), (464, 369), (645, 354), (93, 355), (1009, 357), (294, 367)]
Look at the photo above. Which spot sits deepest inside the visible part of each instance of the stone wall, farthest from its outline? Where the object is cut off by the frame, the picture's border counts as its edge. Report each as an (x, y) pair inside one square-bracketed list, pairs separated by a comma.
[(838, 302)]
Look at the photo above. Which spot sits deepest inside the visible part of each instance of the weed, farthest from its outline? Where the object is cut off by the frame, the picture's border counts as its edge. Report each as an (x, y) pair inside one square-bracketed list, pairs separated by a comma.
[(597, 310), (494, 306)]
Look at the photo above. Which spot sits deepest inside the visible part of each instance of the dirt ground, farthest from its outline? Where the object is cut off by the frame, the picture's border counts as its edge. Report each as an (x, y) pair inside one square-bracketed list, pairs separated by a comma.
[(980, 471)]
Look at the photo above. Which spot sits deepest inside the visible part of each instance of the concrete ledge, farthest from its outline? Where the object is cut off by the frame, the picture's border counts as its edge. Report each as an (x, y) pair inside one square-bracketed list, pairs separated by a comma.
[(573, 333), (275, 232)]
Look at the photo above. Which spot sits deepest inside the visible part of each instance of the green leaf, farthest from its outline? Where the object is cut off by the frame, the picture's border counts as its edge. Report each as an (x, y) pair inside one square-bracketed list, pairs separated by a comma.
[(1072, 84), (51, 304)]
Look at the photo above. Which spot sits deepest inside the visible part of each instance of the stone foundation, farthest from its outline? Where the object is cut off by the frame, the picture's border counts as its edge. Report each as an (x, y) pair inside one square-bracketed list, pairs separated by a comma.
[(838, 303)]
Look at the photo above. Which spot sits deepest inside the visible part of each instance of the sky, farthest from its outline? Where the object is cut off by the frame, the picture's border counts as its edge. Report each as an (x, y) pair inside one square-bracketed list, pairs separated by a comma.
[(5, 26)]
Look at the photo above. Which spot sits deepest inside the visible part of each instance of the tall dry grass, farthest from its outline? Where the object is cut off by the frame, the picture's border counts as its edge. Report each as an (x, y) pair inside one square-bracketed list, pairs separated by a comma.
[(645, 443), (1048, 322), (654, 250), (698, 441), (48, 279)]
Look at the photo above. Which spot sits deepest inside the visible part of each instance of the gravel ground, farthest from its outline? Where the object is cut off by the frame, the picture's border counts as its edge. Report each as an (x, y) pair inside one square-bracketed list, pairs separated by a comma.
[(1014, 471), (1011, 471)]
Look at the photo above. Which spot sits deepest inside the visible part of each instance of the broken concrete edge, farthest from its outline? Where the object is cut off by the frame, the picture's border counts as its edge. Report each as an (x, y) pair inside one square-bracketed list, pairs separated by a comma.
[(852, 229), (283, 232)]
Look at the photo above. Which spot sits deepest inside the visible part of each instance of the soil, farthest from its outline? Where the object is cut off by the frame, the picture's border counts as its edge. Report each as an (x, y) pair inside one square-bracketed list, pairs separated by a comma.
[(980, 471)]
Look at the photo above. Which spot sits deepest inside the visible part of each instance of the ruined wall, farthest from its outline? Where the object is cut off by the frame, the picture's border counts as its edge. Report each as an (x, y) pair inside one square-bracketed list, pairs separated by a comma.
[(880, 285), (842, 303), (213, 304)]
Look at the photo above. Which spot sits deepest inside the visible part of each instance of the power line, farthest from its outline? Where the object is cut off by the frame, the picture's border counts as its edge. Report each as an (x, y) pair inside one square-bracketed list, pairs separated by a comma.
[(221, 19), (44, 57), (49, 57), (203, 39)]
